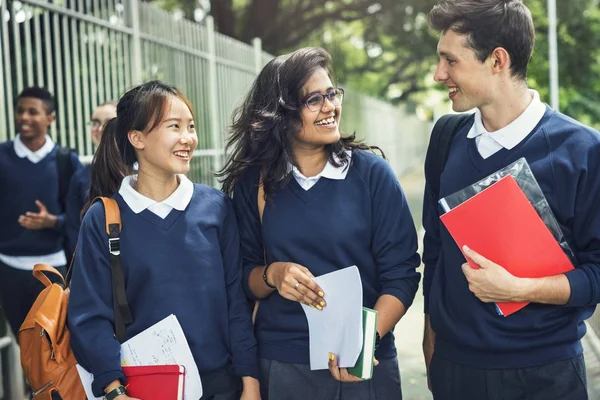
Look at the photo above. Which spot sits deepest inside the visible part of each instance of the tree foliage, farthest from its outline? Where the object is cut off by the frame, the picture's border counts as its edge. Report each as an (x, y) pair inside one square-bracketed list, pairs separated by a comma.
[(384, 47)]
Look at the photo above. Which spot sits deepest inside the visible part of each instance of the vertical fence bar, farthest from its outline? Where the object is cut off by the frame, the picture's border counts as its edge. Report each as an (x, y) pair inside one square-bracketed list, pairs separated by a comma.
[(28, 48), (18, 61), (60, 97), (78, 83), (69, 132), (136, 53), (85, 77), (5, 107), (213, 92), (38, 49), (49, 63)]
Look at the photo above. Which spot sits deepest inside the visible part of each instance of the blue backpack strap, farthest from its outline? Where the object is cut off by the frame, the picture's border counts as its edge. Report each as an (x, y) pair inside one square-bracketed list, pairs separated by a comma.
[(439, 145)]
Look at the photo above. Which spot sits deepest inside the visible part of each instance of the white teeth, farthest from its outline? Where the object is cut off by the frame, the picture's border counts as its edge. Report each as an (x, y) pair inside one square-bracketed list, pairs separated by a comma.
[(453, 90), (183, 154), (326, 121)]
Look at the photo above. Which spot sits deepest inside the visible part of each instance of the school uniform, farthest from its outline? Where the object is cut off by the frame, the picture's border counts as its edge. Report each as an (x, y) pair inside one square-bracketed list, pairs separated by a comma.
[(535, 353), (25, 177), (180, 256), (353, 215)]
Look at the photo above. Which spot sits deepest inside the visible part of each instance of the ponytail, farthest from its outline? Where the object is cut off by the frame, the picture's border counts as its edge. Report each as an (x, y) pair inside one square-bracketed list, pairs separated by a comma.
[(108, 166)]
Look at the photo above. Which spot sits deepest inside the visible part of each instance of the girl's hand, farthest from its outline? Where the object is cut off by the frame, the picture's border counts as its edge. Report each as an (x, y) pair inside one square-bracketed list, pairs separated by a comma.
[(342, 374), (294, 282), (251, 389)]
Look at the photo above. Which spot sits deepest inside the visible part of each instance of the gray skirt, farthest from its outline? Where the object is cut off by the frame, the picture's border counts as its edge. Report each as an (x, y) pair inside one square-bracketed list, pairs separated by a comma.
[(284, 381)]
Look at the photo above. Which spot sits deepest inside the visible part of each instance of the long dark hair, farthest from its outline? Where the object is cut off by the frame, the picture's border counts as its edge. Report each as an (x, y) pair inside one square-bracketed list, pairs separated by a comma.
[(141, 109), (265, 125)]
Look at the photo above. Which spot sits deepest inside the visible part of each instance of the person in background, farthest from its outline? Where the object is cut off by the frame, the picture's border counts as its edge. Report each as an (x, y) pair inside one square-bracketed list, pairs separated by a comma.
[(33, 220), (330, 203), (471, 352), (179, 248), (77, 196)]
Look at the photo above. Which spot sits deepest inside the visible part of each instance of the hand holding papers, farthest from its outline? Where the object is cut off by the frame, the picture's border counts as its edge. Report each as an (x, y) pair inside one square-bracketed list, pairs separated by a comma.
[(338, 327), (162, 344)]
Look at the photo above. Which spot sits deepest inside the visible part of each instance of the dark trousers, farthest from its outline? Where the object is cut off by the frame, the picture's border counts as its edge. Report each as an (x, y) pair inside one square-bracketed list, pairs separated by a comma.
[(561, 380), (18, 291), (284, 381)]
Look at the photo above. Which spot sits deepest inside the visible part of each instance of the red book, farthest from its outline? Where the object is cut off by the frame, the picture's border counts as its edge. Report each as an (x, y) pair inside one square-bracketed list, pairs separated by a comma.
[(155, 382), (501, 224)]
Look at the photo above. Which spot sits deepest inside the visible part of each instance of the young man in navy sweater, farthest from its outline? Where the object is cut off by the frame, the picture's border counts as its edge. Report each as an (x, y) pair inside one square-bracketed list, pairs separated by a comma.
[(32, 220), (471, 352)]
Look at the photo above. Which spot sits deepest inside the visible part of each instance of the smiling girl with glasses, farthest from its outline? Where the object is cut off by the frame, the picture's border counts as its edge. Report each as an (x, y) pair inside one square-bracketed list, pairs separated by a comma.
[(330, 203)]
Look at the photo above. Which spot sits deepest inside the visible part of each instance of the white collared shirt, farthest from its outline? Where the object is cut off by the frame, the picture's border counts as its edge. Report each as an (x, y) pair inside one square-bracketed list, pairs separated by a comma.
[(488, 143), (178, 200), (57, 259), (330, 172), (33, 156)]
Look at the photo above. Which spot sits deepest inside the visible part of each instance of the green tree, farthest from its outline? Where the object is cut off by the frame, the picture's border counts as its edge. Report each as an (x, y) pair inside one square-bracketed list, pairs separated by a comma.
[(384, 47)]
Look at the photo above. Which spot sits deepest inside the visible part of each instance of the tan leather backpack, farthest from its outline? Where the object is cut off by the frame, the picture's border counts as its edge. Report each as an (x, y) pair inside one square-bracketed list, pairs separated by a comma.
[(46, 355)]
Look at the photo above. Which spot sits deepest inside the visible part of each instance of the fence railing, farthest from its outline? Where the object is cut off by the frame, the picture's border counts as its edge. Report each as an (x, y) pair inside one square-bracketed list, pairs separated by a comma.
[(87, 52)]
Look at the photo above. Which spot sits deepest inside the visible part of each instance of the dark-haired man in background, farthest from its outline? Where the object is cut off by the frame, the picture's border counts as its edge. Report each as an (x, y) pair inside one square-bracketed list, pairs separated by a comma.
[(471, 352), (32, 222)]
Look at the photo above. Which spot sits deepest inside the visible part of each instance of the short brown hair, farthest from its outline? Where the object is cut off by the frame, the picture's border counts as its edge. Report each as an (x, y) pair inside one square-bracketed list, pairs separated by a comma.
[(489, 24)]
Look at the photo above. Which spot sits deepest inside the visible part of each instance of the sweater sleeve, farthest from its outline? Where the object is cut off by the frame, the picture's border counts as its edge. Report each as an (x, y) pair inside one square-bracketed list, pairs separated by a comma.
[(245, 201), (242, 341), (90, 313), (394, 242), (585, 279), (432, 245)]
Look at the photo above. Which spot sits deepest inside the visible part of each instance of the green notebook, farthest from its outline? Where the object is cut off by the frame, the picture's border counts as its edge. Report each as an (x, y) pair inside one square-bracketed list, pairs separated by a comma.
[(364, 365)]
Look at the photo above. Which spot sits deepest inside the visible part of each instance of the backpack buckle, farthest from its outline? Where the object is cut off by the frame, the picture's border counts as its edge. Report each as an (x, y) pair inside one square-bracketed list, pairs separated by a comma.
[(114, 246)]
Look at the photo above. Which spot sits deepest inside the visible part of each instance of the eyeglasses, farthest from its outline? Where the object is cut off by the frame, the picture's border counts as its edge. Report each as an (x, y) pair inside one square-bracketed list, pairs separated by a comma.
[(315, 102), (95, 123)]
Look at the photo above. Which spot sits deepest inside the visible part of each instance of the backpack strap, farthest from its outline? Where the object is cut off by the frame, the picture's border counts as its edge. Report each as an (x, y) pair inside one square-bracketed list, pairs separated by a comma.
[(123, 316), (261, 209), (439, 145), (64, 167)]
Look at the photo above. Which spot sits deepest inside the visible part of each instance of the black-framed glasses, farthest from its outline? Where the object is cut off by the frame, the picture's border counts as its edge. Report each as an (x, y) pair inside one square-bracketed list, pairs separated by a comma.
[(315, 102)]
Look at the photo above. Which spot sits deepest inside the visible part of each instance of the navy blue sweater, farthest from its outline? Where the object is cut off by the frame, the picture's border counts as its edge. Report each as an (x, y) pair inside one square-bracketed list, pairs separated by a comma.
[(188, 264), (362, 220), (77, 198), (564, 157), (21, 184)]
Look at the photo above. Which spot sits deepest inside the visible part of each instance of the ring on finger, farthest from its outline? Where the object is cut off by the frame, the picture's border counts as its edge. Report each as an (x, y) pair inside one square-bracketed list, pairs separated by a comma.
[(296, 285)]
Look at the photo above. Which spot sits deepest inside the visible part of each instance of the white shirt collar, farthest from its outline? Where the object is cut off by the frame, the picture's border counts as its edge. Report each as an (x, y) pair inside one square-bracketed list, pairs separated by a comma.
[(34, 156), (513, 133), (330, 171), (178, 200)]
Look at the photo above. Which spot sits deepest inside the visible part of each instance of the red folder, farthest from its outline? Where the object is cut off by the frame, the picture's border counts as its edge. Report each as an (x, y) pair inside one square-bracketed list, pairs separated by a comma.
[(155, 382), (501, 224)]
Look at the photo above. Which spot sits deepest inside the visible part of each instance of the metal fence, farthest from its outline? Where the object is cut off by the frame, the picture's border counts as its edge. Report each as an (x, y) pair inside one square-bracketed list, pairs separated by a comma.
[(87, 52)]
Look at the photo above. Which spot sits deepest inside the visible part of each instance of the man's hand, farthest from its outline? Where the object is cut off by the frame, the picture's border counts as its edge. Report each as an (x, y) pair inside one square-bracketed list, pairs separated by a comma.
[(342, 374), (428, 347), (38, 221), (491, 283)]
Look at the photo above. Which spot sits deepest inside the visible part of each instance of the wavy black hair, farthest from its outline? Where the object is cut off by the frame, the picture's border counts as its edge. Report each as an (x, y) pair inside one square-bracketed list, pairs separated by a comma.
[(265, 125)]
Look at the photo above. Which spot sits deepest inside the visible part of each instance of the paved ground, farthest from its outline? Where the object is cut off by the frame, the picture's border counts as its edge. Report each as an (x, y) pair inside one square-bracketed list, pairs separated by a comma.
[(409, 332)]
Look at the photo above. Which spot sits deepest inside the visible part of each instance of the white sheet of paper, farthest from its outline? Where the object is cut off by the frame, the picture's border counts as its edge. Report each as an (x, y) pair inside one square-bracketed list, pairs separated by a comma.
[(337, 328), (162, 343)]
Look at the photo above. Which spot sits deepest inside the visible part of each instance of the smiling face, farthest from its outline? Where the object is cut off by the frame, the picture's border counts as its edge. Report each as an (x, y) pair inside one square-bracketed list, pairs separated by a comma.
[(167, 149), (32, 118), (469, 81), (321, 126)]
